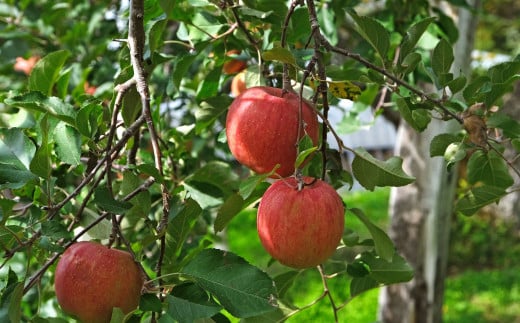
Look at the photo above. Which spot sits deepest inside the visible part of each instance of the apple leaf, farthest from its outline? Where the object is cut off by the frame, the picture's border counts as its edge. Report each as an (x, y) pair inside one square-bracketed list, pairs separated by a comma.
[(479, 197), (371, 172), (188, 302), (36, 101), (374, 33), (248, 186), (106, 202), (231, 207), (150, 302), (442, 58), (413, 34), (395, 270), (16, 153), (359, 285), (488, 168), (68, 144), (383, 244), (182, 217), (279, 54), (46, 71), (242, 289)]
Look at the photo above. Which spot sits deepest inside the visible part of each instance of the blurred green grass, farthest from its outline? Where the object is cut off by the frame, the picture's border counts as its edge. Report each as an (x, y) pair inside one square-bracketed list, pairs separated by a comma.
[(471, 296)]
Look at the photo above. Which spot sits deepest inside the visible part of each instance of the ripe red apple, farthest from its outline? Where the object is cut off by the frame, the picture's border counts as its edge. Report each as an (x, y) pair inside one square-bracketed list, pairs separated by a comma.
[(91, 279), (300, 228), (262, 127)]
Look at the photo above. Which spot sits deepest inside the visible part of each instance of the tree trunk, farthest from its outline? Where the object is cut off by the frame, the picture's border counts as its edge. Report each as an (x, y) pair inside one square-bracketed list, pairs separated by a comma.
[(421, 212)]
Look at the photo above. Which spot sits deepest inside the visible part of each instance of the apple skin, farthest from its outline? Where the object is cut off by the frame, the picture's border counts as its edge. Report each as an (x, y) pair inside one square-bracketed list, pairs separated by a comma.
[(91, 279), (300, 229), (262, 127)]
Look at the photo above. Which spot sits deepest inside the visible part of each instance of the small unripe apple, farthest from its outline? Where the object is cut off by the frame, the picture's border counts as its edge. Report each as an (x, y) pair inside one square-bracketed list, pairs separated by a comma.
[(262, 128), (300, 228), (91, 279)]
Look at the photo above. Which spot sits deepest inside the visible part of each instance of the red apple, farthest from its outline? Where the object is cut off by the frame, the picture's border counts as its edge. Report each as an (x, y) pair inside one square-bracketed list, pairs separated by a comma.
[(91, 279), (300, 228), (262, 128)]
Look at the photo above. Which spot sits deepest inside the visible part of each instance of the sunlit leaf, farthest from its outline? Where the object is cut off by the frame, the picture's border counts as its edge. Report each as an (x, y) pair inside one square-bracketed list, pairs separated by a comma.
[(373, 32), (46, 71), (227, 211), (241, 288), (279, 54), (413, 34), (479, 197), (488, 168), (68, 144)]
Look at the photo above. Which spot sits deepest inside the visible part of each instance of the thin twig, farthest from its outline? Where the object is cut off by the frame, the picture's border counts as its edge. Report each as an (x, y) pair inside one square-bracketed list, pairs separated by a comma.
[(136, 43)]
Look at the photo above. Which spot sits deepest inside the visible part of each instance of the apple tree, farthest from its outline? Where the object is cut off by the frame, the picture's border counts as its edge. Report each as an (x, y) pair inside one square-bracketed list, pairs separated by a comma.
[(113, 130)]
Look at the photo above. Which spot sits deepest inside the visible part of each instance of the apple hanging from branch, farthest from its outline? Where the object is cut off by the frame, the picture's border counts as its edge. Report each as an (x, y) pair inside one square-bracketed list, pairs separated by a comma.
[(91, 279), (262, 128), (300, 228)]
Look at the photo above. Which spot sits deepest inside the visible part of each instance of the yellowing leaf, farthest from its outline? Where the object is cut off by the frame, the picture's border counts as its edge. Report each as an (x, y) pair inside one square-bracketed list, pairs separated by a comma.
[(344, 90)]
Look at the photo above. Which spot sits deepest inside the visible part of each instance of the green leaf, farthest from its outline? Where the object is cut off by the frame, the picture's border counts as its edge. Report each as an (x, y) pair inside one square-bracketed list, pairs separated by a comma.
[(440, 142), (155, 35), (410, 62), (150, 302), (383, 244), (229, 209), (413, 35), (55, 230), (101, 230), (279, 54), (248, 185), (359, 285), (386, 272), (302, 156), (442, 58), (36, 101), (15, 303), (418, 118), (104, 200), (241, 288), (45, 73), (371, 172), (479, 197), (16, 154), (68, 144), (182, 218), (457, 84), (16, 148), (210, 111), (188, 302), (88, 119), (217, 174), (284, 281), (510, 127), (374, 33), (209, 86), (488, 168), (131, 106), (11, 297)]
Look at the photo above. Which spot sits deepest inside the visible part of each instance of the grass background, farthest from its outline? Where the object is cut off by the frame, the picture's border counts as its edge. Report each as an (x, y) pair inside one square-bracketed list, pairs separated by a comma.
[(484, 281)]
